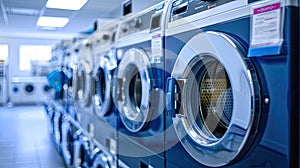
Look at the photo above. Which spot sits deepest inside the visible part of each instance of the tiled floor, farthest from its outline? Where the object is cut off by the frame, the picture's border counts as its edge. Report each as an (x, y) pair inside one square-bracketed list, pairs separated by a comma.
[(24, 139)]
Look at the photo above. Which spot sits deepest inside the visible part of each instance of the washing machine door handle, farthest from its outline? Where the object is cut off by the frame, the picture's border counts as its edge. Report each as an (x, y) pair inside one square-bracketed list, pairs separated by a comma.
[(119, 91), (173, 96), (170, 103)]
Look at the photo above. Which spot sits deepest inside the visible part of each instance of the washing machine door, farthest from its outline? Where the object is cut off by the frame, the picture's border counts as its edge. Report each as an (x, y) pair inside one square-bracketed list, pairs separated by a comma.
[(101, 160), (102, 96), (75, 83), (46, 88), (29, 89), (134, 89), (84, 76), (85, 83), (213, 96)]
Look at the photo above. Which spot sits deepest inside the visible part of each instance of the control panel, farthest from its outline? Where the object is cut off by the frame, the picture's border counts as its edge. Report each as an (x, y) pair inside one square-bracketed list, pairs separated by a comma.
[(150, 20), (184, 8), (106, 36), (136, 24)]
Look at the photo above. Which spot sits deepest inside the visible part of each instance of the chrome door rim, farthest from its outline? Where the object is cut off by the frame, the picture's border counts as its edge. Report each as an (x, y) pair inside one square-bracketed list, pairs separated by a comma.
[(75, 83), (84, 94), (85, 67), (103, 102), (134, 119), (210, 151), (101, 160), (31, 91), (67, 154)]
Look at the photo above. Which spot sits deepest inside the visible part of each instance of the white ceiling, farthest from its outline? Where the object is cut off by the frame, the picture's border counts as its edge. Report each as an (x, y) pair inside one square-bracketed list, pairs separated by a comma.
[(18, 17)]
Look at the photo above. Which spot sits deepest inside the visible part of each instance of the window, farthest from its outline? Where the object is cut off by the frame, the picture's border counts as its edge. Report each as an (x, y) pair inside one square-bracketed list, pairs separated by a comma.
[(3, 51), (30, 53)]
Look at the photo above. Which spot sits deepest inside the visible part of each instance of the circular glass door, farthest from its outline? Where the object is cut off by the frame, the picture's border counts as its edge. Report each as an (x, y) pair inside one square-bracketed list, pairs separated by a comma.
[(132, 90), (212, 105), (219, 96), (84, 84), (101, 160), (85, 80), (102, 97), (29, 88), (75, 83)]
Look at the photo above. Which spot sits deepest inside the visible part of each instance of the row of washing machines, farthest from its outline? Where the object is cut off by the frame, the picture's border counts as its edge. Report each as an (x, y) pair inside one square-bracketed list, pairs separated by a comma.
[(3, 83), (22, 90), (185, 83)]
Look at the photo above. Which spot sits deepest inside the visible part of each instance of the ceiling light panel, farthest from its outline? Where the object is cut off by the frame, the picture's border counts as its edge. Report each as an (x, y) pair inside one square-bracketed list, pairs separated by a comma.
[(58, 12), (22, 11), (66, 4), (31, 4), (45, 21)]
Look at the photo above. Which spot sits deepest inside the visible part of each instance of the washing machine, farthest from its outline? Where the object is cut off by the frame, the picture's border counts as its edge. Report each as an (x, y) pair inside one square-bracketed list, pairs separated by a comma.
[(79, 149), (105, 113), (70, 71), (43, 88), (83, 92), (57, 123), (138, 88), (56, 106), (71, 133), (72, 67), (76, 147), (49, 111), (83, 88), (3, 84), (28, 90), (229, 92), (67, 126), (102, 158)]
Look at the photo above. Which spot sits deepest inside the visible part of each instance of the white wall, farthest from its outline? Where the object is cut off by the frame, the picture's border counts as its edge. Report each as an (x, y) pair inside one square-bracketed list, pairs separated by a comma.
[(13, 52)]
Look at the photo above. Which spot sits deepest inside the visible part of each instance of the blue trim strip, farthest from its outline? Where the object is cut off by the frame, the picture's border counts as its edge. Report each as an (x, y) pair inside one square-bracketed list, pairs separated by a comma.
[(264, 51)]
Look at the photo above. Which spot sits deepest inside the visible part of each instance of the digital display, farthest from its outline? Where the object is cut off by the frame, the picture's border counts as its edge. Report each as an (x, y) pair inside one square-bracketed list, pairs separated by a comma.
[(155, 22), (127, 7), (250, 1), (185, 8)]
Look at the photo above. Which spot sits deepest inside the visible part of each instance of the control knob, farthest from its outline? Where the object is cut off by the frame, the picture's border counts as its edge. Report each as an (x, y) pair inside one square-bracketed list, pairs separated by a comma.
[(124, 28), (105, 37), (136, 22)]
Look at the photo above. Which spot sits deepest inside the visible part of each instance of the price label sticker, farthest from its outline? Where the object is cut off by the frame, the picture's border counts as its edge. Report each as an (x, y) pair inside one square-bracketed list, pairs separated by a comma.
[(266, 25), (156, 48), (266, 33)]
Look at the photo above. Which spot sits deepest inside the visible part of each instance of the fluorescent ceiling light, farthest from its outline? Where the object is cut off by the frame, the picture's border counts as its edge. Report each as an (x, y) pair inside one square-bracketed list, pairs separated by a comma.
[(45, 21), (47, 28), (23, 11), (66, 4)]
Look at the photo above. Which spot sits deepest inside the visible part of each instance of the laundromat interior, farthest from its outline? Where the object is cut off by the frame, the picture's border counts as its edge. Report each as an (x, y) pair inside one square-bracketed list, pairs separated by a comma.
[(149, 83)]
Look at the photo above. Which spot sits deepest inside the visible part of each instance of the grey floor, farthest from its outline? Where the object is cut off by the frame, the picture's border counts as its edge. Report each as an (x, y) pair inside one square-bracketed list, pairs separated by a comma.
[(24, 139)]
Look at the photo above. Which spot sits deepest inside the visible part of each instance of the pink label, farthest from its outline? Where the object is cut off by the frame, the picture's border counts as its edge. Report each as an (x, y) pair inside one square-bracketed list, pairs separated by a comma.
[(267, 8), (156, 36)]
